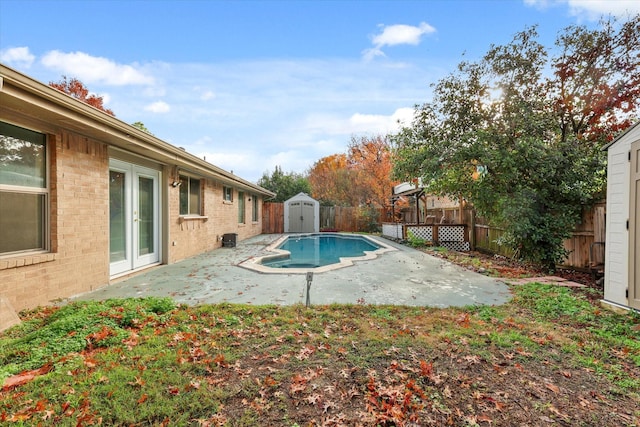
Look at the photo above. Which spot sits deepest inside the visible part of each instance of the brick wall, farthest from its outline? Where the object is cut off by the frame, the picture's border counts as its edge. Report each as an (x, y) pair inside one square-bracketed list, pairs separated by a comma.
[(79, 226), (79, 220), (189, 236)]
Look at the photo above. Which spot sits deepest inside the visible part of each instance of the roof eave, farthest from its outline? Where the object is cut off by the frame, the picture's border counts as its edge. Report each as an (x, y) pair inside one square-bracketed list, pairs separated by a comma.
[(114, 131)]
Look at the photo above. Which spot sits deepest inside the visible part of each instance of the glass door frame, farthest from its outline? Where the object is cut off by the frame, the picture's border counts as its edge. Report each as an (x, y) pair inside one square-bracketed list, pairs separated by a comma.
[(133, 259)]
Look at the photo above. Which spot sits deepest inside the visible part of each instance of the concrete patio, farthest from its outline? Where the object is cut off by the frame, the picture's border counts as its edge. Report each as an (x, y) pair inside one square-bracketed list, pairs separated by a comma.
[(404, 276)]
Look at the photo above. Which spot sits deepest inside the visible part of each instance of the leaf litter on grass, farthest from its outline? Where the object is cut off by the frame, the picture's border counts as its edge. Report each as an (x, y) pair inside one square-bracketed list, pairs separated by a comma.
[(523, 363)]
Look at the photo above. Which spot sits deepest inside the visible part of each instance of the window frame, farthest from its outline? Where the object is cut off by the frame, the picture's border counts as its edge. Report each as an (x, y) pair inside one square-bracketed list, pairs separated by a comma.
[(227, 194), (43, 191), (242, 208), (186, 184), (255, 214)]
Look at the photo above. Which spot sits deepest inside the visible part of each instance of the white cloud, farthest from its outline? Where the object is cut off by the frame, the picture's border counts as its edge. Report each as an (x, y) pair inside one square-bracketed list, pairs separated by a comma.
[(380, 124), (393, 35), (595, 8), (358, 123), (91, 69), (17, 56), (591, 9), (268, 113), (402, 34), (158, 107)]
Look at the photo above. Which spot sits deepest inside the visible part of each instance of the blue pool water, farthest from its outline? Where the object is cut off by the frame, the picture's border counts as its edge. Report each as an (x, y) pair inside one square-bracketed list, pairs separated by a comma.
[(317, 250)]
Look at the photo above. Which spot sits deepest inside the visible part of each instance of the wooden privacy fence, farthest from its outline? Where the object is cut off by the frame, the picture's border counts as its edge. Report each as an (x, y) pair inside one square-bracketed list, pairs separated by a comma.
[(338, 218), (272, 218), (349, 219), (487, 239), (585, 246)]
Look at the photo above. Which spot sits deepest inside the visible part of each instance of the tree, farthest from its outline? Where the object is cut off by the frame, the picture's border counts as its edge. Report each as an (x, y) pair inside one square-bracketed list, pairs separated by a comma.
[(142, 127), (76, 89), (522, 146), (370, 161), (597, 80), (362, 177), (331, 180), (284, 185)]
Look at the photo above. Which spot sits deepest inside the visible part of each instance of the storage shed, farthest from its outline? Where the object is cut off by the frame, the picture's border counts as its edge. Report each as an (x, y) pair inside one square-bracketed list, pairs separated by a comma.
[(301, 214), (622, 252)]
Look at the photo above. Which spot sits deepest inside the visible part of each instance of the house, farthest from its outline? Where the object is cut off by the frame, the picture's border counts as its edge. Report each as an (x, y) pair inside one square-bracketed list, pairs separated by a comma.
[(86, 199), (622, 251), (436, 219), (421, 207)]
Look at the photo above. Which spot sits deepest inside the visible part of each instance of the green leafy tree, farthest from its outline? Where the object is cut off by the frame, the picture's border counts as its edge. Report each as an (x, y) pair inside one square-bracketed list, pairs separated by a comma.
[(522, 145), (142, 127), (285, 185)]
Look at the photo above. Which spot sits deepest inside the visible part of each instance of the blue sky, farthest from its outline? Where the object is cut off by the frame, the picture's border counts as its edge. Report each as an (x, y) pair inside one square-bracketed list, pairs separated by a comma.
[(251, 85)]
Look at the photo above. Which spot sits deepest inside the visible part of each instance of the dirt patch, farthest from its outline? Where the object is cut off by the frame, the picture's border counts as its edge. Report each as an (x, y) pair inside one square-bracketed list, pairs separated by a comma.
[(501, 266)]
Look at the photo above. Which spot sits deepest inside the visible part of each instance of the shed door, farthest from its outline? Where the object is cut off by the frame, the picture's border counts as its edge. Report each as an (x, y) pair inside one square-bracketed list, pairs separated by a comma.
[(301, 217), (308, 215), (634, 228)]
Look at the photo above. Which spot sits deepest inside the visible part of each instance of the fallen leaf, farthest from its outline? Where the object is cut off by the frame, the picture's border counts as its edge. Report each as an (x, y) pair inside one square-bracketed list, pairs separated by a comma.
[(557, 412), (313, 398), (447, 392), (553, 388), (24, 377), (483, 418)]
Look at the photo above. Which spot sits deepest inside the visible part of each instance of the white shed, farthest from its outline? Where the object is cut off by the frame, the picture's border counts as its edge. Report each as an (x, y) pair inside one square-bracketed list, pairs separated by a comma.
[(622, 252), (301, 214)]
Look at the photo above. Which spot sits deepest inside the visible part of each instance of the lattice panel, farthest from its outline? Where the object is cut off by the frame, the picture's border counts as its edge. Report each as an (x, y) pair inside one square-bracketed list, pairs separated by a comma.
[(451, 234), (456, 246), (392, 230), (425, 233)]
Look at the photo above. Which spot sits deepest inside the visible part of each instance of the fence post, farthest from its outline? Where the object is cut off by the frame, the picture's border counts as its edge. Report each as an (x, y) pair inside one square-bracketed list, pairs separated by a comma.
[(472, 230)]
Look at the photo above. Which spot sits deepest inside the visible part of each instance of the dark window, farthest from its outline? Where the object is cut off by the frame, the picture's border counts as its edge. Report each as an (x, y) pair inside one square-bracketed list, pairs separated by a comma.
[(190, 196), (24, 192)]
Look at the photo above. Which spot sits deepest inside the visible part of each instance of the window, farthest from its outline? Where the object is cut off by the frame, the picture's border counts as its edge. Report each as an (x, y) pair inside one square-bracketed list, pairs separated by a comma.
[(189, 196), (24, 190), (255, 217), (227, 194), (241, 213)]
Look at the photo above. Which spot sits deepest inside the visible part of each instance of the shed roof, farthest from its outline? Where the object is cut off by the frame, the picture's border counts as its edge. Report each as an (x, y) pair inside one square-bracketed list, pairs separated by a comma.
[(302, 196), (606, 147), (49, 104)]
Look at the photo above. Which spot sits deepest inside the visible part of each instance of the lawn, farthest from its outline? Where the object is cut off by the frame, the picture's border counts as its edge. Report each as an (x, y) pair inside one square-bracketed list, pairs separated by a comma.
[(549, 357)]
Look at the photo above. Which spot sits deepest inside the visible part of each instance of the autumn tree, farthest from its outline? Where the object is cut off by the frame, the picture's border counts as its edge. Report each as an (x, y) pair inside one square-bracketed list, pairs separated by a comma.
[(285, 185), (331, 180), (360, 177), (596, 86), (76, 89), (524, 145), (369, 159)]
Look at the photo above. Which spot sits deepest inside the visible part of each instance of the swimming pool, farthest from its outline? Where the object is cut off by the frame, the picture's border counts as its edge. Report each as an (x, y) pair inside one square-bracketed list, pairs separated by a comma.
[(316, 252)]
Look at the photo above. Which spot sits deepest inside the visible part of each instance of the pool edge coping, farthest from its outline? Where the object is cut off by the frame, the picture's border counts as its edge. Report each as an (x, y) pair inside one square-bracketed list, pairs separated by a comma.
[(254, 263)]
